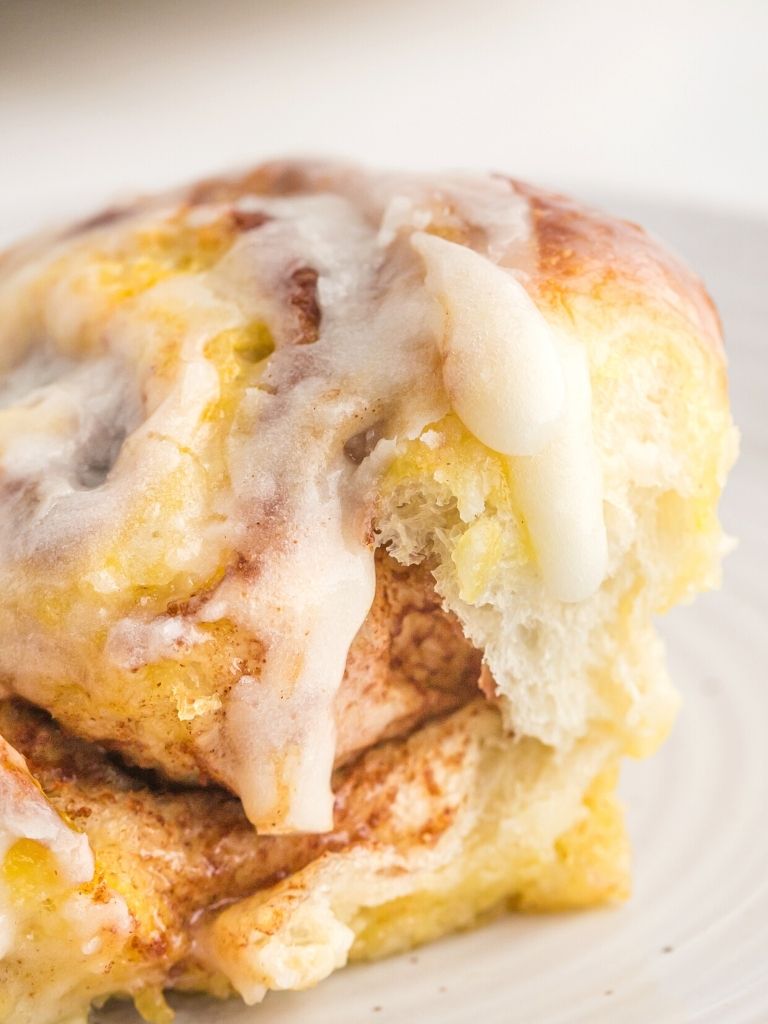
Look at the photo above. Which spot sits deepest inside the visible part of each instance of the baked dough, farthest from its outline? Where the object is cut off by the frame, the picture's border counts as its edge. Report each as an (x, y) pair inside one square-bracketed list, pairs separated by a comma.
[(333, 494), (430, 832)]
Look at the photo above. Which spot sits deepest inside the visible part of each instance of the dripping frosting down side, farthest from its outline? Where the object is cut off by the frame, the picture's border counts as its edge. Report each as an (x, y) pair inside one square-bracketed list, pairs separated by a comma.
[(524, 393), (560, 491), (500, 364), (307, 510)]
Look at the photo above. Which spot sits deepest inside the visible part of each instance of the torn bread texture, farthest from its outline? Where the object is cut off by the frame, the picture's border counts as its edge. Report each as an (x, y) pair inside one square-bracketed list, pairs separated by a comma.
[(431, 832)]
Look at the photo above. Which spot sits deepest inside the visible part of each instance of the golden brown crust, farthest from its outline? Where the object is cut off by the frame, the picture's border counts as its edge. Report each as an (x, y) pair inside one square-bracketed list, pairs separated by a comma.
[(581, 250)]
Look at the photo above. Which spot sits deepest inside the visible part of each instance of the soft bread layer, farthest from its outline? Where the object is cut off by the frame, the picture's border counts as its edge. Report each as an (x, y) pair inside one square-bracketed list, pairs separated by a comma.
[(431, 831), (409, 661), (665, 440)]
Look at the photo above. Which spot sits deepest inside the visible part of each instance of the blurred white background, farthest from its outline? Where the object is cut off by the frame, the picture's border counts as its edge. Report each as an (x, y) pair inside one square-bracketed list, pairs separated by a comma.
[(663, 99)]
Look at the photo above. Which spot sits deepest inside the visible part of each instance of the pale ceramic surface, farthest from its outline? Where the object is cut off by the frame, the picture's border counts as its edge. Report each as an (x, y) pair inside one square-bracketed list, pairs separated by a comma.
[(692, 944)]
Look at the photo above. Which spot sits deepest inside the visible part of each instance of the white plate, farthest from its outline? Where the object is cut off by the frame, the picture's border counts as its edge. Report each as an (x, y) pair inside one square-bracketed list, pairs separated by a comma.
[(692, 944)]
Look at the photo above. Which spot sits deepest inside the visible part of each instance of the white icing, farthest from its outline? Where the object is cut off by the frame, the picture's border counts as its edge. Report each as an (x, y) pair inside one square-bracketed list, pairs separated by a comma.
[(561, 492), (8, 926), (526, 394), (26, 814), (500, 364), (497, 221), (133, 642), (402, 214), (37, 370), (72, 425), (91, 921), (316, 588), (432, 439), (281, 725)]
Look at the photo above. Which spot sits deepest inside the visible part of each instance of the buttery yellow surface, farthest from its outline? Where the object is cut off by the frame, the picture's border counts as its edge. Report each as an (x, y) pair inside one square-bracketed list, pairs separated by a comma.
[(128, 566), (589, 865)]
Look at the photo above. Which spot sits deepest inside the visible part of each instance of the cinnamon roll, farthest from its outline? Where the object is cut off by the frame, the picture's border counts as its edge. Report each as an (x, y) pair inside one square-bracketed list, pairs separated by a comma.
[(335, 510)]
